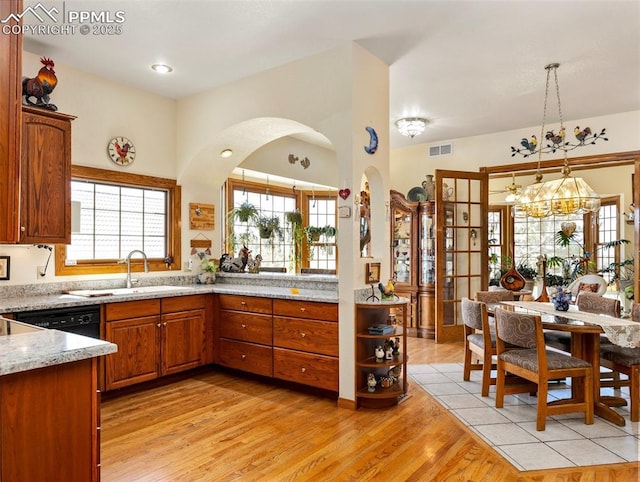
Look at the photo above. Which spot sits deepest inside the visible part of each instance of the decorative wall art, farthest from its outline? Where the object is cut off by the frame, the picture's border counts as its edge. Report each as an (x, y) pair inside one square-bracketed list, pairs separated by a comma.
[(5, 265), (373, 141), (201, 216), (305, 163), (372, 273)]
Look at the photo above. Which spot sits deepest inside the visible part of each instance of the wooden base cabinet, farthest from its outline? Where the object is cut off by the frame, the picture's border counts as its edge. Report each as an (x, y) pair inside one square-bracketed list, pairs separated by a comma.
[(155, 338), (305, 339), (49, 424), (291, 340), (390, 372)]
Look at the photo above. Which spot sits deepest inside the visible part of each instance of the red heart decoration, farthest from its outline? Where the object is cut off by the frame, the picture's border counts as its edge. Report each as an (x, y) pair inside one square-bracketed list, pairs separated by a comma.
[(344, 193)]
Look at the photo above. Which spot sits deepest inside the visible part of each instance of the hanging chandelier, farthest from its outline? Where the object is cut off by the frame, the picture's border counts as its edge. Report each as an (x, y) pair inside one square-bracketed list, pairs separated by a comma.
[(567, 195), (411, 126)]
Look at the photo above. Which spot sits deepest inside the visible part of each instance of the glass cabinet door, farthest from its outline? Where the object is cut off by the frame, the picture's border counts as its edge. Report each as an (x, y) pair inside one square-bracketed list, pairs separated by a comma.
[(402, 252), (427, 244)]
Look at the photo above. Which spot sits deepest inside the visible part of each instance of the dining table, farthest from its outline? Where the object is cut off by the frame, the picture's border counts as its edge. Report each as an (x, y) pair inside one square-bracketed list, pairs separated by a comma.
[(585, 329)]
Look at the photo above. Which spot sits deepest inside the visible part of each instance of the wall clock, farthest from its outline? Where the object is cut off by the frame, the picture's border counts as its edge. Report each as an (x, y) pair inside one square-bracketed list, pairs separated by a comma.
[(121, 151)]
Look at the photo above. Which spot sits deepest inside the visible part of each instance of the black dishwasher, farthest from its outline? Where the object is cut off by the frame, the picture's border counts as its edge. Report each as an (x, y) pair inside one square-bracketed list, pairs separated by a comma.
[(81, 320)]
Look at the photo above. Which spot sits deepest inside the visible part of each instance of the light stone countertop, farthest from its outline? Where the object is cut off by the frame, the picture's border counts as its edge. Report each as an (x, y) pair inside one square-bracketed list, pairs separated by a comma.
[(12, 304), (42, 348)]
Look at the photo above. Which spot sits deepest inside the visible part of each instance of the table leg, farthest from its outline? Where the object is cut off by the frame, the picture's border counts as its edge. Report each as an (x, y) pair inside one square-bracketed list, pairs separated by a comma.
[(587, 347)]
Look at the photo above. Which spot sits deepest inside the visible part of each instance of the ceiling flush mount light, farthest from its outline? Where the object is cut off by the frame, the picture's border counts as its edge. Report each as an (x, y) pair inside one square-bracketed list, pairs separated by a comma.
[(411, 126), (161, 68), (226, 153), (567, 195)]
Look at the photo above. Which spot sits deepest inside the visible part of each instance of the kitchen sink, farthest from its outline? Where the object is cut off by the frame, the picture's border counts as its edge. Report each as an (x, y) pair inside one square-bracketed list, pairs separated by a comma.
[(127, 291)]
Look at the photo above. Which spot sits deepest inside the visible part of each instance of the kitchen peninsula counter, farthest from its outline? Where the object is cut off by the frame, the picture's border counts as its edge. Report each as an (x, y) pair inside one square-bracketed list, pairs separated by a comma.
[(34, 348)]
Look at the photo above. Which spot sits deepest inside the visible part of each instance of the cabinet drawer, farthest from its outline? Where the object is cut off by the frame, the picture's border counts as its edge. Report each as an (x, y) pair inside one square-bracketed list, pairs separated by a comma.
[(316, 370), (247, 357), (183, 303), (246, 327), (306, 335), (131, 309), (245, 303), (306, 309)]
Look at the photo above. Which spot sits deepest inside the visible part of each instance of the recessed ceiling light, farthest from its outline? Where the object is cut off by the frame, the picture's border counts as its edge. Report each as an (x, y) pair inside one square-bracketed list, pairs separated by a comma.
[(161, 68), (226, 153)]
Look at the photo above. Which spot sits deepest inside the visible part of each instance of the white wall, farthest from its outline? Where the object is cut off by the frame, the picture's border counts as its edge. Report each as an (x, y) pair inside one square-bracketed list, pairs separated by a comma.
[(104, 110)]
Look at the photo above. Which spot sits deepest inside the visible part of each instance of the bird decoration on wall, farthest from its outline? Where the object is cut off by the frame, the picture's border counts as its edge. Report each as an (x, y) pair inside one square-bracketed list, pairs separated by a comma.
[(36, 90), (373, 141), (305, 163), (556, 141)]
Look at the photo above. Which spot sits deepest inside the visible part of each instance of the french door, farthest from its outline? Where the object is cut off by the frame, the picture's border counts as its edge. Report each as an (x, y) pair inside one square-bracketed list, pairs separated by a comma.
[(461, 245)]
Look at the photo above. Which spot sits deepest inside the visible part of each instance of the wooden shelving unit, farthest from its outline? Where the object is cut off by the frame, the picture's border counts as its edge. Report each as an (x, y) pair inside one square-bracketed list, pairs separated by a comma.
[(380, 313)]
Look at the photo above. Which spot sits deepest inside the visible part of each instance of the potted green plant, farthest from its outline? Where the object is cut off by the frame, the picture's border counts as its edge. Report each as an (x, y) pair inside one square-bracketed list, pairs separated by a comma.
[(294, 219), (329, 231), (208, 269), (313, 233), (245, 212), (269, 226), (528, 273)]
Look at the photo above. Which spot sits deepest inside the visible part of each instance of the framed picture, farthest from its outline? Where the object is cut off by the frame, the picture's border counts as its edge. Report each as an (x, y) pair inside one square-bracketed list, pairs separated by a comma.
[(5, 264), (372, 273)]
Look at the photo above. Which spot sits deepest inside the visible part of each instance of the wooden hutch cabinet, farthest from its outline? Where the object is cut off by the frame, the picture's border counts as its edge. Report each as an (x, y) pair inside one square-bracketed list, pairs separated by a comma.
[(404, 251)]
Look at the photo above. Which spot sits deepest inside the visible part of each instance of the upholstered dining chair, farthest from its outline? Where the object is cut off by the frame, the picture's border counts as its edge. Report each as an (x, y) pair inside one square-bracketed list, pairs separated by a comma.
[(594, 303), (493, 296), (627, 361), (591, 303), (478, 340), (533, 362), (589, 282)]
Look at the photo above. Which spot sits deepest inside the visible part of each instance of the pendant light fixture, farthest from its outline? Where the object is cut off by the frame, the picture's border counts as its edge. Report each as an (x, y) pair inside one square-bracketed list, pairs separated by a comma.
[(567, 195), (411, 126)]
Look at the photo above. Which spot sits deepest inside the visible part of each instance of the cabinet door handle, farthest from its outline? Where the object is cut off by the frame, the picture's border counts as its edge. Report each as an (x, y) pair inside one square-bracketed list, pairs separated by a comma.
[(303, 369), (243, 325), (303, 309), (23, 229), (243, 356), (158, 325), (243, 303), (164, 324), (303, 334)]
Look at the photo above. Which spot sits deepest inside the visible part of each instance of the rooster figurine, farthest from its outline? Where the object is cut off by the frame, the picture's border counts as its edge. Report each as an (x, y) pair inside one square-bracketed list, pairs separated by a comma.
[(387, 291), (555, 139), (530, 145), (40, 86), (581, 135)]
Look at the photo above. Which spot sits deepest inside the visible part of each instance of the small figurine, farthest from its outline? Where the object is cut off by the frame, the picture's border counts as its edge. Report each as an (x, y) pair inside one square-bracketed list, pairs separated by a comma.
[(396, 347), (235, 265), (253, 264), (387, 292), (379, 352), (371, 382), (36, 90)]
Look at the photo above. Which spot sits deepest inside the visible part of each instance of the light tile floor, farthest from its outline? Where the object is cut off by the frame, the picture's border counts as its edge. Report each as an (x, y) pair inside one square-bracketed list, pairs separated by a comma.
[(511, 431)]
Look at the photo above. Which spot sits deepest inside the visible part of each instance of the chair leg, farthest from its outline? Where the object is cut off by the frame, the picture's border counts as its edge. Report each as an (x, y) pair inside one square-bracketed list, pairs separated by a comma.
[(588, 397), (541, 419), (634, 392), (486, 374), (500, 386), (466, 374)]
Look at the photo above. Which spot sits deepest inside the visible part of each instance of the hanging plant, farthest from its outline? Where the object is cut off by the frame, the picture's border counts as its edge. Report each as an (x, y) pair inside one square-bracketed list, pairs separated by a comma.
[(269, 226), (245, 213), (313, 233)]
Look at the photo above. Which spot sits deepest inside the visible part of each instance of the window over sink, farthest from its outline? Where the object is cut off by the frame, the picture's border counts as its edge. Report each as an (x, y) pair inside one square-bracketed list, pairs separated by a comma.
[(121, 212)]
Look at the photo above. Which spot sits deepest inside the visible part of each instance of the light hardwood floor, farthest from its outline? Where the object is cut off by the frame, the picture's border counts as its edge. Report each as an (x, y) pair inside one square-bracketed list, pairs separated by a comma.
[(217, 426)]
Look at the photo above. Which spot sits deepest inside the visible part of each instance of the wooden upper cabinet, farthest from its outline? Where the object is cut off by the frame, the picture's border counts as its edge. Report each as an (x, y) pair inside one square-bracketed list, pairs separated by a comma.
[(45, 178), (10, 87)]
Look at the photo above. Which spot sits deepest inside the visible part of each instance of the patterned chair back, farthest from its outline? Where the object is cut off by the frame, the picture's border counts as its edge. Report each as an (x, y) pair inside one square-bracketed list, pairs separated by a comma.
[(594, 303), (635, 312), (516, 328), (472, 313), (495, 296)]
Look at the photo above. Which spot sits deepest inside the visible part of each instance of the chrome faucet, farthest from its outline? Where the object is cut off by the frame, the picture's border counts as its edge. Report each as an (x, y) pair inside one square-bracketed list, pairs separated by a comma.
[(128, 261)]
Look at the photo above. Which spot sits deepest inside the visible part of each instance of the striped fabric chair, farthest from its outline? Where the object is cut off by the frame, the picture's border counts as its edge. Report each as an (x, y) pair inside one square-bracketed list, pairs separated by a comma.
[(478, 340), (535, 363), (627, 361)]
